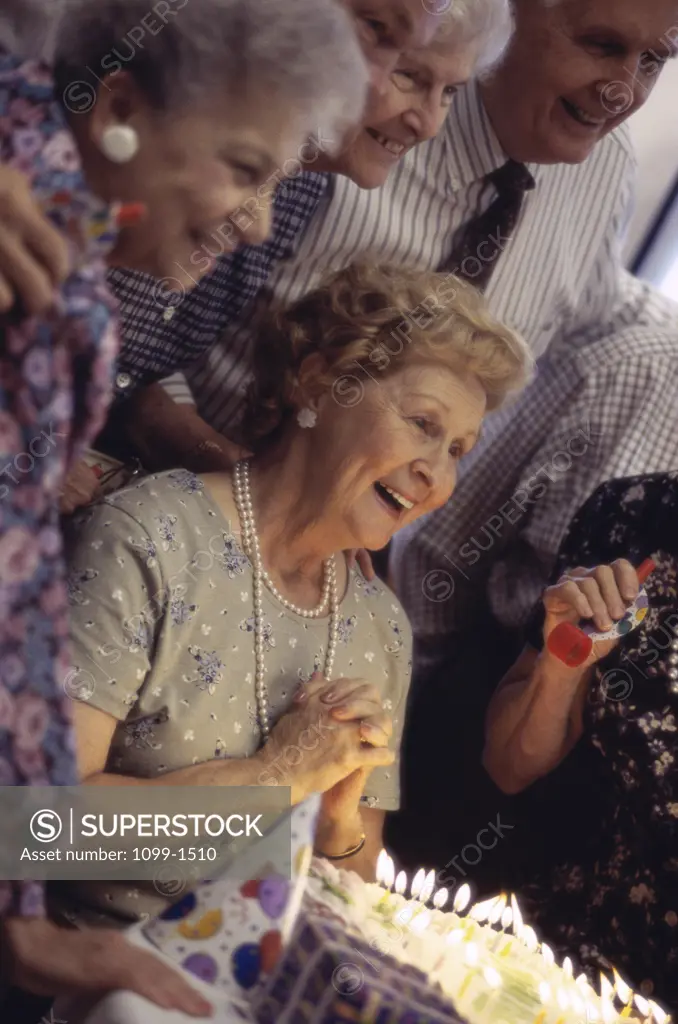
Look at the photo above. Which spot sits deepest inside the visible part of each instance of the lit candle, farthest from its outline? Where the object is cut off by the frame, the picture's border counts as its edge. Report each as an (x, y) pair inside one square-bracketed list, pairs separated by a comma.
[(462, 898), (428, 887), (517, 916), (401, 883), (389, 873), (506, 919), (440, 899), (642, 1004), (529, 937), (548, 954), (481, 911), (567, 967), (498, 907), (661, 1016), (606, 989), (381, 866), (417, 883), (624, 994)]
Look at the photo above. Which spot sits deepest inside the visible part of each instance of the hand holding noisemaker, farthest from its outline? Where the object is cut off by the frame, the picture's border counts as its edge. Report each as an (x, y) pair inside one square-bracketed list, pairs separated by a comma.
[(573, 645)]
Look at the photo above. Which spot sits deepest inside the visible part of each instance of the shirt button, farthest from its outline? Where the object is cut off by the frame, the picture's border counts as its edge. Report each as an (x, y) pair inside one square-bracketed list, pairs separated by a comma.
[(123, 380), (168, 313)]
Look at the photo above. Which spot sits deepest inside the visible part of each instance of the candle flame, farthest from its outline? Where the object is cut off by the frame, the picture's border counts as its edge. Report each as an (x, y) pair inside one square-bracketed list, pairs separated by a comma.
[(381, 866), (661, 1016), (529, 937), (544, 992), (455, 937), (440, 899), (624, 991), (592, 1012), (401, 883), (492, 977), (506, 918), (417, 883), (481, 911), (462, 897), (606, 989), (548, 954), (428, 887), (517, 916), (642, 1004), (567, 967), (389, 872), (562, 999), (582, 981), (498, 907)]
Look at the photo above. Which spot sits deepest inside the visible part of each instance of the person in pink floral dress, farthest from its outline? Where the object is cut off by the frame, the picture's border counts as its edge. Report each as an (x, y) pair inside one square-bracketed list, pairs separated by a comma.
[(154, 134)]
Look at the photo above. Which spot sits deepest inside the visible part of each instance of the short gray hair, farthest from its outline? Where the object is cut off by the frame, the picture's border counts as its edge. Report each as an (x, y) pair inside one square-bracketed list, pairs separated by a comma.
[(303, 52), (486, 22)]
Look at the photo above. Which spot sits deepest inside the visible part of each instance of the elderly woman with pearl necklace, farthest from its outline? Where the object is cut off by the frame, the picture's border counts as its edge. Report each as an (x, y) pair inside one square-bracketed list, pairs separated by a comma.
[(220, 635)]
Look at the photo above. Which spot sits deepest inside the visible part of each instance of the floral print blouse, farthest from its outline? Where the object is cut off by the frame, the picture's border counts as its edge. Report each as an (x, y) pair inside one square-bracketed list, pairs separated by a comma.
[(54, 390), (614, 898), (163, 640)]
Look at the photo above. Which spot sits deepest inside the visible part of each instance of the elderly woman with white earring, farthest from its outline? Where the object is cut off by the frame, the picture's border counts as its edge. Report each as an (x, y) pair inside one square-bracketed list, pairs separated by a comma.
[(137, 148), (220, 632)]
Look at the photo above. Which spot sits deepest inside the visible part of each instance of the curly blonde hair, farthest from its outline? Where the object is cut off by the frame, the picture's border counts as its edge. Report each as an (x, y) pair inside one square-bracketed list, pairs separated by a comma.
[(377, 320)]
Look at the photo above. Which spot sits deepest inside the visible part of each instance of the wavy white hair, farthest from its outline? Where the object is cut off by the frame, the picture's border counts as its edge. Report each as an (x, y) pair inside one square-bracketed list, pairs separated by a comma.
[(487, 24), (304, 52)]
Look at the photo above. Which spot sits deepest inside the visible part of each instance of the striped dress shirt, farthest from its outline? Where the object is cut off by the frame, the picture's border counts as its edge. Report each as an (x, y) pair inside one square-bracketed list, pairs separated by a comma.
[(607, 385)]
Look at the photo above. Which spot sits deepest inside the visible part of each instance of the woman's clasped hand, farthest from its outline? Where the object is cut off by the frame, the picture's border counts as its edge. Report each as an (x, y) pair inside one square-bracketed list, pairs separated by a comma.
[(332, 730)]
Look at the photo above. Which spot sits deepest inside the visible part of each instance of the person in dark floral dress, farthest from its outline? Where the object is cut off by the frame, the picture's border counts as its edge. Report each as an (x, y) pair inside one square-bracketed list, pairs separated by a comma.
[(609, 896)]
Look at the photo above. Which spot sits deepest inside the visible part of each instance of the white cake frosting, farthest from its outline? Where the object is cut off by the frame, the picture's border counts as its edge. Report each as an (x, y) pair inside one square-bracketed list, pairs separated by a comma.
[(492, 976)]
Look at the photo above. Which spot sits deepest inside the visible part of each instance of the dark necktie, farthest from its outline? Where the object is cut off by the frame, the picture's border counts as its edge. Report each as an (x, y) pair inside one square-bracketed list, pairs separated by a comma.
[(484, 238)]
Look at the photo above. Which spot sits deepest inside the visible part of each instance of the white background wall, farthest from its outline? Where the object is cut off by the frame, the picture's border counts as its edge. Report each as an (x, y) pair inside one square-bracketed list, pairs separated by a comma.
[(655, 133)]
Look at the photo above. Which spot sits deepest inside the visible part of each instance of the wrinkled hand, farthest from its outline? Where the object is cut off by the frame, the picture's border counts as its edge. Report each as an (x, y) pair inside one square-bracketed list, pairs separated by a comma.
[(358, 701), (601, 594), (332, 730), (33, 255), (80, 488), (50, 961)]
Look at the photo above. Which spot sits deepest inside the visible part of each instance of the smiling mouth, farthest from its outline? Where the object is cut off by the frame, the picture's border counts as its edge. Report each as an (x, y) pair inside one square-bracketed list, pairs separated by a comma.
[(581, 117), (394, 501), (392, 147)]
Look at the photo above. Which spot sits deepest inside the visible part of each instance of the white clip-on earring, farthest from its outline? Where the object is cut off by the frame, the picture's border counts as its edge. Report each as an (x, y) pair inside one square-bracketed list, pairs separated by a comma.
[(307, 418), (120, 143)]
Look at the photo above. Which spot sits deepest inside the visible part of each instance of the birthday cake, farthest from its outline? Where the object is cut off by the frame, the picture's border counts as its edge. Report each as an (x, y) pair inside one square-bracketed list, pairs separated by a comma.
[(302, 942), (481, 963)]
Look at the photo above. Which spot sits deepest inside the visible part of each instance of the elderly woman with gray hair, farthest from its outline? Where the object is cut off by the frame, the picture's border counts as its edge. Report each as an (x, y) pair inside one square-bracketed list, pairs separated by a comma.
[(178, 112)]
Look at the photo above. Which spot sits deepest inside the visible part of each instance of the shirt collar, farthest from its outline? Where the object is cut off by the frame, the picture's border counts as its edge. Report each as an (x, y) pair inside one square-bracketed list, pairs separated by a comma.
[(473, 149)]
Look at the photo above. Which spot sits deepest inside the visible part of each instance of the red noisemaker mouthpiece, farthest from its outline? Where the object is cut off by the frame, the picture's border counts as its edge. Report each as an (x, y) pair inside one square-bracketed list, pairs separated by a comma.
[(573, 645)]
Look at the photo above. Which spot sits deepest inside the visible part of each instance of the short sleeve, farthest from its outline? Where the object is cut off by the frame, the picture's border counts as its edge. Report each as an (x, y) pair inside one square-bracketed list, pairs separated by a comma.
[(382, 790), (116, 595)]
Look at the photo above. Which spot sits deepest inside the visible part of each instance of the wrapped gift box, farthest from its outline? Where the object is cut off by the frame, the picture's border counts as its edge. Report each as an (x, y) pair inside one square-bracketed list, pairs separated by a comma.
[(327, 977), (229, 932)]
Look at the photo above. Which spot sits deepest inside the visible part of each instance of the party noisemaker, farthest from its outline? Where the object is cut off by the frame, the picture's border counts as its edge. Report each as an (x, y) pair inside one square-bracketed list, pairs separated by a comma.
[(573, 644)]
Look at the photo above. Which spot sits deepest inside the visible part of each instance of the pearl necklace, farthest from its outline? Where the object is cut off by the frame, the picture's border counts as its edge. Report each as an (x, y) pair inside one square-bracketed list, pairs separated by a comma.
[(243, 501)]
